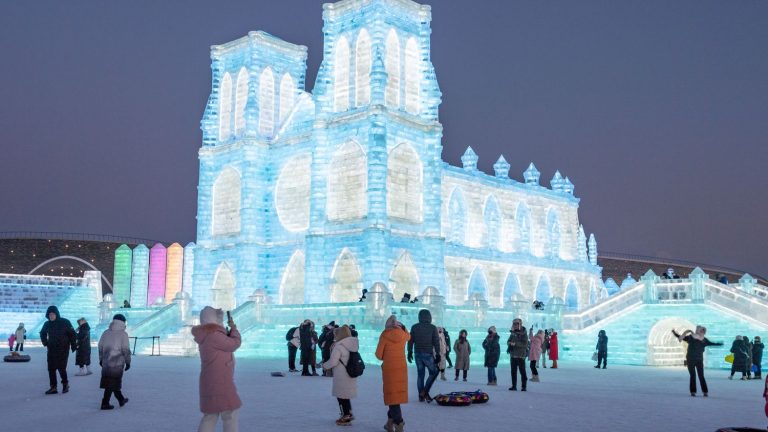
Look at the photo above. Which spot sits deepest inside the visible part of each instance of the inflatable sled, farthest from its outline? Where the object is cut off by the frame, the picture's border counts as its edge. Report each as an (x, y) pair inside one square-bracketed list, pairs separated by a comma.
[(15, 357), (462, 398)]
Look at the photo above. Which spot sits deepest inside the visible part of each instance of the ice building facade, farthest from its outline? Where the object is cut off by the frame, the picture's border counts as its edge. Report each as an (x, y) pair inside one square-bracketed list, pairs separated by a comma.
[(311, 197)]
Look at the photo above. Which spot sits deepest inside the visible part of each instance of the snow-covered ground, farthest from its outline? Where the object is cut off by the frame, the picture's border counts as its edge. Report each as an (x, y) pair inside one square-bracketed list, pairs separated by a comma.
[(575, 397)]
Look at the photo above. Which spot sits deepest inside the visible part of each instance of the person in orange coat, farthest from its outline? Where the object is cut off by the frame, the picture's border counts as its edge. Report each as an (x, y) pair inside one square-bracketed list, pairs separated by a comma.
[(394, 371), (553, 348)]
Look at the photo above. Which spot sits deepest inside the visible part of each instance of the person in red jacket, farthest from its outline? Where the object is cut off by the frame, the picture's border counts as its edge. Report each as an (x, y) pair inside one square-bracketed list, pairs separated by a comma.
[(553, 348)]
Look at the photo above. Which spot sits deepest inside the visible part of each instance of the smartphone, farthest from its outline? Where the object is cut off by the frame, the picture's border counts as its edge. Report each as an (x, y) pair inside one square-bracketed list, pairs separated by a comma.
[(229, 317)]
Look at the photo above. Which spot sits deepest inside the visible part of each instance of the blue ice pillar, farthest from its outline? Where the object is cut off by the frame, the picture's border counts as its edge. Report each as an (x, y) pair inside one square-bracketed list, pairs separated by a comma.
[(698, 279), (469, 159), (557, 182), (532, 175), (568, 186), (747, 283), (139, 276), (375, 256), (188, 269), (581, 245), (592, 250), (501, 168), (649, 280)]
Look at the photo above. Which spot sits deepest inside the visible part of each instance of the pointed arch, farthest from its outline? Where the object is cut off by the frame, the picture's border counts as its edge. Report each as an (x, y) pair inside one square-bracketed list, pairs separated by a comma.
[(341, 75), (543, 294), (523, 219), (492, 223), (346, 278), (223, 290), (363, 68), (287, 93), (404, 277), (477, 283), (456, 232), (412, 76), (347, 183), (292, 282), (292, 193), (572, 295), (267, 102), (225, 214), (511, 287), (405, 183), (553, 234), (225, 107), (392, 67), (241, 99)]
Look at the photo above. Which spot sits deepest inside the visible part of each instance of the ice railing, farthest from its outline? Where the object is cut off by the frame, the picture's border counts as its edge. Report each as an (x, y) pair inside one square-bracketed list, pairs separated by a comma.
[(160, 323), (734, 298), (604, 309)]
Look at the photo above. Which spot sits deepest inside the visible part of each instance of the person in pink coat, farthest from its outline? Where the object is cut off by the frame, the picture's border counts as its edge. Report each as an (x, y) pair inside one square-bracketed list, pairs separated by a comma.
[(218, 395), (553, 348), (535, 353)]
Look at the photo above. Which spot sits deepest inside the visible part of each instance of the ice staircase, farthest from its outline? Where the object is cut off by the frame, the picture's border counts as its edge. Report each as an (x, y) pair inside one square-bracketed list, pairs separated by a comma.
[(80, 299)]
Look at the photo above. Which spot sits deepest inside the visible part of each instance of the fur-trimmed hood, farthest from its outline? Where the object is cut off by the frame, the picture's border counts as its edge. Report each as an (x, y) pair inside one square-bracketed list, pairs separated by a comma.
[(201, 332)]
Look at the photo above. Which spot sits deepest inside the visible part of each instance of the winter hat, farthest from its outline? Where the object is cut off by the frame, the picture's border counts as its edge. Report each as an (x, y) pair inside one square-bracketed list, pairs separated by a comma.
[(342, 333), (392, 322), (119, 317), (492, 329), (210, 315), (332, 324)]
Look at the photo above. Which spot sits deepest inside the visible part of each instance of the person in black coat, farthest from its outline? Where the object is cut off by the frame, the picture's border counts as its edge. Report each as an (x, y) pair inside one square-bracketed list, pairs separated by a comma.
[(326, 341), (757, 356), (305, 347), (694, 357), (740, 358), (492, 353), (602, 349), (448, 345), (58, 336), (83, 356)]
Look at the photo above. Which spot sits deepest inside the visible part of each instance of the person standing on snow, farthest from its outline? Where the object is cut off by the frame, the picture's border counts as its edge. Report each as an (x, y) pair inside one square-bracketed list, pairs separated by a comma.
[(739, 350), (305, 347), (602, 349), (463, 350), (325, 341), (757, 357), (426, 340), (58, 336), (492, 354), (344, 386), (448, 345), (218, 394), (443, 352), (553, 355), (114, 358), (394, 371), (517, 343), (21, 335), (694, 357), (535, 353), (83, 356)]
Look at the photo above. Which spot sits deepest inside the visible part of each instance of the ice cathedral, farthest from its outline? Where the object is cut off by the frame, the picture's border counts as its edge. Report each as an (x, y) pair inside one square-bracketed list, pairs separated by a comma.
[(313, 196)]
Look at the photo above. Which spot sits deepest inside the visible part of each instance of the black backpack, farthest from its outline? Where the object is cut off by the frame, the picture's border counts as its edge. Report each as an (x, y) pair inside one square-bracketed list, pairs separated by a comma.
[(355, 365), (289, 335)]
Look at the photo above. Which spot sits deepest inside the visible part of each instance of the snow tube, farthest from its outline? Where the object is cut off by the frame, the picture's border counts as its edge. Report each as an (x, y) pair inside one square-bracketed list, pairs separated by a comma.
[(16, 358), (478, 396), (453, 399)]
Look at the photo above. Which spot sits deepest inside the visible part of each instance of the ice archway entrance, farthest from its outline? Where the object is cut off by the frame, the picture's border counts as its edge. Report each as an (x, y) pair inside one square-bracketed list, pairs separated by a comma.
[(663, 347)]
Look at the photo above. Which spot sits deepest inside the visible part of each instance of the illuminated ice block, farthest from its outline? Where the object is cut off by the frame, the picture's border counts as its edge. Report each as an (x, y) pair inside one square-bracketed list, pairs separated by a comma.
[(157, 266), (173, 271), (139, 276), (121, 285)]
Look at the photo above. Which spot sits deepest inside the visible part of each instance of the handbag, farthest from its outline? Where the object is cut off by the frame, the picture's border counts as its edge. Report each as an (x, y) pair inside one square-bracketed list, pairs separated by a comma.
[(729, 358), (594, 356)]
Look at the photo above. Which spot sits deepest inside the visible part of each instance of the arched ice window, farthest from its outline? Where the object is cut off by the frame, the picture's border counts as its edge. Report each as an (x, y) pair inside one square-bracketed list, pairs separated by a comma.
[(363, 69), (267, 102), (347, 183), (392, 66), (225, 215), (287, 90), (404, 183), (341, 75), (225, 107), (412, 76), (241, 98)]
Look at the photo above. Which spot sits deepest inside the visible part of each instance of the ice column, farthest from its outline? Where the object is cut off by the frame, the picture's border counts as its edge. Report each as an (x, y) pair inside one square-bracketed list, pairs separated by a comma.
[(157, 266), (139, 276), (173, 271), (121, 287), (189, 265), (592, 250)]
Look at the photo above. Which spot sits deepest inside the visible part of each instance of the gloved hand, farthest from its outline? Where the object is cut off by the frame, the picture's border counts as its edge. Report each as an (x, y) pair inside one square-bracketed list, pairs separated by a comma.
[(410, 357), (437, 358), (127, 366)]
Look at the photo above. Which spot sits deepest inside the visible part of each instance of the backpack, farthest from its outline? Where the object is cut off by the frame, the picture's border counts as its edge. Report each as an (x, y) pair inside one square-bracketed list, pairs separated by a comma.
[(289, 335), (355, 365)]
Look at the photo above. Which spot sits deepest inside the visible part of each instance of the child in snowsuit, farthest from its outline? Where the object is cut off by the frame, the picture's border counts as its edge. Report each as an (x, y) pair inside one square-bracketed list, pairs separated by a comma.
[(11, 341)]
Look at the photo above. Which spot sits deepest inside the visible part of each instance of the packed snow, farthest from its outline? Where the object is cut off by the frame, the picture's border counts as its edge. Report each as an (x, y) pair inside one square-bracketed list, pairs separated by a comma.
[(163, 396)]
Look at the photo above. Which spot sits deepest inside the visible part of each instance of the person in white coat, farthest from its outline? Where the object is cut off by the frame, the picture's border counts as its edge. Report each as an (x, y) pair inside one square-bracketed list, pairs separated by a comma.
[(21, 334), (443, 352), (114, 358), (344, 386)]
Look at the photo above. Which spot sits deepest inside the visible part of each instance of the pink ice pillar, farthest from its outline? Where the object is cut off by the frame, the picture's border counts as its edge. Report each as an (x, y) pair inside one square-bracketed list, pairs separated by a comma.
[(157, 266)]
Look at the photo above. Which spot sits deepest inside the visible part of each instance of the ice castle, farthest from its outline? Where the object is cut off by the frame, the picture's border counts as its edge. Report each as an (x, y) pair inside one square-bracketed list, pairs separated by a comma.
[(312, 197)]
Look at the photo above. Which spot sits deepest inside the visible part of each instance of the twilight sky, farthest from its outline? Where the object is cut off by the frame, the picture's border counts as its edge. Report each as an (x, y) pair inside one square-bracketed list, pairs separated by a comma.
[(656, 110)]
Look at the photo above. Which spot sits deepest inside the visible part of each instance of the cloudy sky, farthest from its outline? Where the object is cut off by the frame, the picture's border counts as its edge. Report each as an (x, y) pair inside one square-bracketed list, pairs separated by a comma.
[(656, 110)]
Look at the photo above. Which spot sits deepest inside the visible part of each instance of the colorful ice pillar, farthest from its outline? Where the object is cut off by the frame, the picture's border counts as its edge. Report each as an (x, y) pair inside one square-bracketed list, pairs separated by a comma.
[(121, 283), (139, 276), (189, 265), (173, 270), (158, 256)]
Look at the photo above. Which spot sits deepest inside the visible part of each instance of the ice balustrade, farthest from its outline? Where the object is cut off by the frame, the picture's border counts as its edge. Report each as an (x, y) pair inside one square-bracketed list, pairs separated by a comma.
[(605, 308), (731, 297), (165, 320)]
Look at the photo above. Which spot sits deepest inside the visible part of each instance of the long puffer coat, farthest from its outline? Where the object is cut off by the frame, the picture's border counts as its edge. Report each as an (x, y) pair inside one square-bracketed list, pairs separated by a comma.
[(553, 346), (114, 355), (462, 350), (59, 337), (217, 367), (535, 353), (492, 350), (344, 386), (83, 356), (394, 370), (443, 349), (739, 350)]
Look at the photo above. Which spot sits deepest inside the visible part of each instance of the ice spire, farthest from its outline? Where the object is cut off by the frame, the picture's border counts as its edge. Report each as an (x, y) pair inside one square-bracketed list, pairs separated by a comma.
[(557, 182), (501, 168), (469, 159), (532, 175), (581, 245), (592, 250), (568, 186)]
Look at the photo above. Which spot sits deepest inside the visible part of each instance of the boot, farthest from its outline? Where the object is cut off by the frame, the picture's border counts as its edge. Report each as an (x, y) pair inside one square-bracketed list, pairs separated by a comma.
[(88, 370), (123, 402), (344, 420), (66, 388), (81, 372), (107, 406), (554, 364), (400, 427), (390, 426), (51, 390)]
